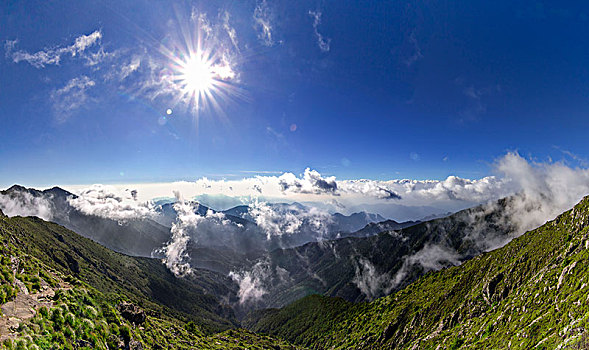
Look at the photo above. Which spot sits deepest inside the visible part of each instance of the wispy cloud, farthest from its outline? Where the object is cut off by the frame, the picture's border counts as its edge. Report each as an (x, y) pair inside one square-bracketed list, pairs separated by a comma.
[(322, 42), (71, 97), (256, 282), (252, 283), (370, 281), (231, 32), (415, 54), (53, 56), (263, 23), (475, 100), (581, 161)]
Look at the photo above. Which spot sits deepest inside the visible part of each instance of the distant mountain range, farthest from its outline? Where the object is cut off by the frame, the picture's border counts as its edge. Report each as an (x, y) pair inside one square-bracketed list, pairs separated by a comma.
[(239, 243)]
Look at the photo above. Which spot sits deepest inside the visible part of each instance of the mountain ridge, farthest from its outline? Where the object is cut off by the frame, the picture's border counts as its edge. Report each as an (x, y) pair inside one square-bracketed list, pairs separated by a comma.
[(531, 292)]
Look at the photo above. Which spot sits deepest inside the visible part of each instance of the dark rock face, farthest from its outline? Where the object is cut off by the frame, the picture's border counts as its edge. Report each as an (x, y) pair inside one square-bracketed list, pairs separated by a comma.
[(131, 313)]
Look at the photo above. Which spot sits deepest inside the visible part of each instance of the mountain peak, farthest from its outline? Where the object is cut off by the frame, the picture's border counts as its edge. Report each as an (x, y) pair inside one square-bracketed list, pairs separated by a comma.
[(16, 187), (57, 191)]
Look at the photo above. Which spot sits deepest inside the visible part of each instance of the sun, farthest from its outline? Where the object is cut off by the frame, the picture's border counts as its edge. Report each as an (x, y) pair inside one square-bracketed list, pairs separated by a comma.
[(202, 78), (196, 75), (200, 69)]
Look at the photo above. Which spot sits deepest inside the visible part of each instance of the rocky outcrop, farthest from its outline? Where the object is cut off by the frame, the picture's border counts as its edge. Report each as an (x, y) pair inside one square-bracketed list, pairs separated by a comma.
[(131, 313)]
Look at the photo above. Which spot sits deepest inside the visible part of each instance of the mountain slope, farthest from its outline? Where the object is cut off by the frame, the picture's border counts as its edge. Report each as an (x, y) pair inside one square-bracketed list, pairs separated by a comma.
[(60, 290), (532, 292), (137, 237), (364, 268), (145, 280)]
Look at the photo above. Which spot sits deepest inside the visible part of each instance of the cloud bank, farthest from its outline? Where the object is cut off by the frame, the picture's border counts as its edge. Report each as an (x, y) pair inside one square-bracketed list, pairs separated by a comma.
[(399, 199), (542, 192)]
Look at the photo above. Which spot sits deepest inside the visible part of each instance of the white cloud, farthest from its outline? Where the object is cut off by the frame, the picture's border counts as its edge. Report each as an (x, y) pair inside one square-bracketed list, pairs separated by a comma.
[(273, 222), (369, 188), (83, 42), (252, 283), (202, 21), (370, 282), (25, 204), (111, 203), (190, 226), (230, 30), (176, 257), (289, 219), (416, 54), (262, 23), (547, 189), (71, 97), (322, 42), (53, 56), (430, 257), (312, 182), (257, 281)]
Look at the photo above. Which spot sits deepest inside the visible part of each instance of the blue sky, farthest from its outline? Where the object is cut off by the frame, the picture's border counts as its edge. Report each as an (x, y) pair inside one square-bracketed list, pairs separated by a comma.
[(378, 90)]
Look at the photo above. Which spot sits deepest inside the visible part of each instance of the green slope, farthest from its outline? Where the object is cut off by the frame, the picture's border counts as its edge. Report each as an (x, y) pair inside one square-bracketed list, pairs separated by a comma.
[(534, 292), (144, 280), (60, 290)]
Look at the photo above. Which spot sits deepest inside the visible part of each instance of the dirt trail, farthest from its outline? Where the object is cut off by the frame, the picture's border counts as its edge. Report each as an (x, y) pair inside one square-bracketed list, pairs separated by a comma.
[(25, 306)]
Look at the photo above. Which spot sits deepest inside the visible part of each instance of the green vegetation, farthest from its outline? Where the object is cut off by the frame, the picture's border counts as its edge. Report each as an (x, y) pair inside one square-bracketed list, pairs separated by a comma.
[(531, 293), (7, 291), (85, 296), (147, 282)]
